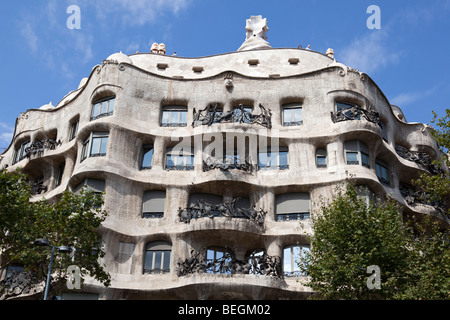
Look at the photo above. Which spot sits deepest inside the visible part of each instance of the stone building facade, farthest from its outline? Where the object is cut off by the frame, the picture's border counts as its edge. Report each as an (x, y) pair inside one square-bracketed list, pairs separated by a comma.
[(213, 166)]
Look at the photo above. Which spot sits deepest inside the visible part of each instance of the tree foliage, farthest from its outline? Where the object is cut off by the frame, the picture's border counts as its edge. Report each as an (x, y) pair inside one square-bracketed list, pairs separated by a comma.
[(72, 221), (350, 235), (412, 252), (437, 186)]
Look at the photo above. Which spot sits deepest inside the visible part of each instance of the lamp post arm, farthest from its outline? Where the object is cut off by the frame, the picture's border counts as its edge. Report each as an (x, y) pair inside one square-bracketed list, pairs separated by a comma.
[(47, 284)]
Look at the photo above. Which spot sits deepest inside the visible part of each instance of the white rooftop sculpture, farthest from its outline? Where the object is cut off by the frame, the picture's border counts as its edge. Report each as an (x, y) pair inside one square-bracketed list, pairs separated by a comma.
[(256, 34)]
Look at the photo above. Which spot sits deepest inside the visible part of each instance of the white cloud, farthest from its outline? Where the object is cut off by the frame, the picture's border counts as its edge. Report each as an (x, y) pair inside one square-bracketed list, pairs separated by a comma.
[(51, 41), (139, 12), (370, 52), (6, 135), (406, 98), (30, 36)]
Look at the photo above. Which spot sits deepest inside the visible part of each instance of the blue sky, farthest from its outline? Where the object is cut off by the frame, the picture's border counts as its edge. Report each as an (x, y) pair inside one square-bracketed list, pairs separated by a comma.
[(43, 60)]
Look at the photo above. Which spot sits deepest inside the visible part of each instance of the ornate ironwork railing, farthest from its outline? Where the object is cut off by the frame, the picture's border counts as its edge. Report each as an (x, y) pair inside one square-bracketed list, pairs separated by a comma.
[(226, 164), (413, 197), (38, 147), (174, 124), (355, 113), (292, 123), (292, 216), (213, 114), (102, 115), (179, 167), (258, 264), (37, 187), (201, 209), (421, 158)]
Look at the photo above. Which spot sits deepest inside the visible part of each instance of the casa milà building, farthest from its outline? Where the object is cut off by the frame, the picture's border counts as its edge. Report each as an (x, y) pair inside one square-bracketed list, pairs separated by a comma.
[(212, 167)]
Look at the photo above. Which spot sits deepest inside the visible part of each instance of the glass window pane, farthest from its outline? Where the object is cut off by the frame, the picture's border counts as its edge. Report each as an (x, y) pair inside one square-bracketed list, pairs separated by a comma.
[(166, 260), (297, 114), (96, 110), (174, 116), (189, 161), (287, 115), (147, 158), (296, 258), (95, 146), (385, 173), (283, 160), (352, 158), (262, 159), (158, 258), (321, 161), (84, 151), (365, 159), (104, 107), (378, 170), (111, 105), (210, 255), (103, 145), (170, 161), (148, 260), (182, 117), (287, 263), (165, 117)]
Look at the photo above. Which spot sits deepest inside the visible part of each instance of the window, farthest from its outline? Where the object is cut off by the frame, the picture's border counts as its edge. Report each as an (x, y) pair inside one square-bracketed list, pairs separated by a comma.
[(21, 152), (242, 114), (13, 268), (215, 113), (356, 152), (179, 160), (153, 204), (157, 257), (95, 145), (321, 158), (99, 143), (59, 174), (174, 116), (292, 206), (407, 191), (365, 194), (365, 159), (292, 255), (256, 263), (382, 171), (103, 108), (96, 186), (147, 157), (124, 257), (275, 160), (345, 109), (292, 114), (201, 200), (383, 128), (74, 129), (218, 260)]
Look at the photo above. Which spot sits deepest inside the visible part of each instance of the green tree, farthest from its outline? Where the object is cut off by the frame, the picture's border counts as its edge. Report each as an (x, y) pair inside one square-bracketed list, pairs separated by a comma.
[(436, 187), (427, 275), (412, 253), (349, 235), (429, 266), (72, 221)]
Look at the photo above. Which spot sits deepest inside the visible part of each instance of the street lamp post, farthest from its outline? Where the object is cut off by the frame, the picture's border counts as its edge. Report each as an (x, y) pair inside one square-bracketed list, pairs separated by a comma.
[(62, 249)]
